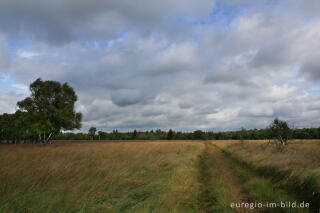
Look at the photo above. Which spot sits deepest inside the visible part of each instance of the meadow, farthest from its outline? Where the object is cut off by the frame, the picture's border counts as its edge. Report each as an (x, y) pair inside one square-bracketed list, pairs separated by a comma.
[(158, 176)]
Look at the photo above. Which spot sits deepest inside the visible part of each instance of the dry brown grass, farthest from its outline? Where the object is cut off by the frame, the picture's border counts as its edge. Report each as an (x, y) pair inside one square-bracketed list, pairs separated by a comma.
[(100, 177), (300, 155), (139, 176)]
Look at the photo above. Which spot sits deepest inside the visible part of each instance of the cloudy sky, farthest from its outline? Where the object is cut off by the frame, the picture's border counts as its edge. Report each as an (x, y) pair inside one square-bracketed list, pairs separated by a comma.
[(182, 64)]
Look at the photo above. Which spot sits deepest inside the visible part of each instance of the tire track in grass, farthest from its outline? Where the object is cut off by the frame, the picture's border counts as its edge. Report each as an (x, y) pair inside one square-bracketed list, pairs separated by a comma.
[(219, 185), (257, 187), (207, 200)]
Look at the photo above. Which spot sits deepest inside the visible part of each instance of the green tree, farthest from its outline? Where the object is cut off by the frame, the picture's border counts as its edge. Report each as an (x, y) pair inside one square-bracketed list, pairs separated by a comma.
[(242, 135), (134, 134), (51, 108), (279, 132), (198, 135), (170, 134), (101, 135), (5, 128), (92, 132)]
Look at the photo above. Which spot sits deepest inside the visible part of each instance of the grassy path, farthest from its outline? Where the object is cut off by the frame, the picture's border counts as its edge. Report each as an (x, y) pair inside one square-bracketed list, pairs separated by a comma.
[(225, 181), (220, 184)]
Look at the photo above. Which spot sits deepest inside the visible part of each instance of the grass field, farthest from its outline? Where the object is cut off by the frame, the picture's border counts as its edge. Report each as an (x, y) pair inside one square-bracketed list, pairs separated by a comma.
[(158, 176)]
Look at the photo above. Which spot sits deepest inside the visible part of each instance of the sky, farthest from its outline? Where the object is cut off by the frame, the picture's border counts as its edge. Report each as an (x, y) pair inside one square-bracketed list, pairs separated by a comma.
[(184, 64)]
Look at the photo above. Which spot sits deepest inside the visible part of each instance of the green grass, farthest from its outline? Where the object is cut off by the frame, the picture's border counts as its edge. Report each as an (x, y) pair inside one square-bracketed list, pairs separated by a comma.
[(295, 170), (217, 191), (261, 187)]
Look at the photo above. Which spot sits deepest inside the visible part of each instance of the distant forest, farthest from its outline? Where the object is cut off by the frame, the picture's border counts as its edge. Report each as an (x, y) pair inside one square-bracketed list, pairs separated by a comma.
[(243, 134), (14, 129)]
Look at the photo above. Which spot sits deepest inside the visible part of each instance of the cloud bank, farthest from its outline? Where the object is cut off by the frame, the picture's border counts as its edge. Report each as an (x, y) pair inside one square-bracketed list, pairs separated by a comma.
[(185, 65)]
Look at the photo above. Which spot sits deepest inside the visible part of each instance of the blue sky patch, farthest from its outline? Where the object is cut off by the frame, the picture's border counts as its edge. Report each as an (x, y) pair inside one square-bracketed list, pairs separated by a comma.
[(314, 91)]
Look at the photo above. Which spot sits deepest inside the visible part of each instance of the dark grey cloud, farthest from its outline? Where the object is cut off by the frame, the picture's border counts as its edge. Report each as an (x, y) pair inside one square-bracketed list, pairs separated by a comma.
[(58, 22), (5, 57), (273, 55), (312, 6), (311, 69), (126, 97)]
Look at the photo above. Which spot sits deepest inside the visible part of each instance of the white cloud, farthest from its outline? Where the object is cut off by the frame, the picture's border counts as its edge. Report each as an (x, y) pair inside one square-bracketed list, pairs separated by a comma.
[(21, 88), (277, 93), (8, 101), (27, 54)]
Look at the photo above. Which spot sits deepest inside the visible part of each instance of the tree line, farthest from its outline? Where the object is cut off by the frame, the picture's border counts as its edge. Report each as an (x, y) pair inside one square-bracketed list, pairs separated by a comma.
[(242, 134)]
